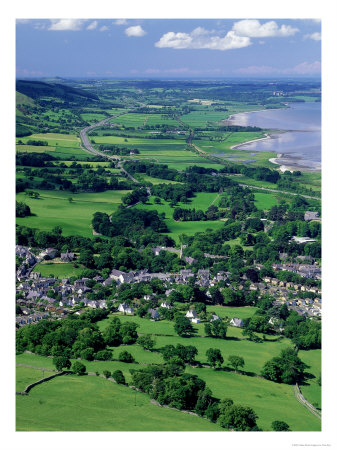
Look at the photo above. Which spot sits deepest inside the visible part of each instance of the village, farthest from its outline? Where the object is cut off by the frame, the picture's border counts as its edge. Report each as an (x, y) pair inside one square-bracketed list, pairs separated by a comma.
[(52, 298)]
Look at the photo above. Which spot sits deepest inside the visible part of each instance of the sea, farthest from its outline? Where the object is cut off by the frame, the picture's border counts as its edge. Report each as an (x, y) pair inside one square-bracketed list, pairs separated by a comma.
[(296, 135)]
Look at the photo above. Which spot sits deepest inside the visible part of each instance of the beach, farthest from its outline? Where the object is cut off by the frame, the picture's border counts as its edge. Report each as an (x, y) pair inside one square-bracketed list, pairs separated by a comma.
[(294, 135)]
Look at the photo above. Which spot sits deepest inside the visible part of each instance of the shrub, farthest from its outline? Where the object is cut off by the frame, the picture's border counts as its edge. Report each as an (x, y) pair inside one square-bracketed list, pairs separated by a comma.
[(126, 357), (78, 368), (118, 377)]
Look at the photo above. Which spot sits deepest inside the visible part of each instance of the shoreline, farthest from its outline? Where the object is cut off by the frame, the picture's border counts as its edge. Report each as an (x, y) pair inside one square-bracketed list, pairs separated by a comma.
[(289, 163)]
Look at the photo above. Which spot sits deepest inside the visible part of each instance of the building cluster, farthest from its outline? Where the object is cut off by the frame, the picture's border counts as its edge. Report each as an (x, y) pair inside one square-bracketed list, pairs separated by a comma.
[(36, 294)]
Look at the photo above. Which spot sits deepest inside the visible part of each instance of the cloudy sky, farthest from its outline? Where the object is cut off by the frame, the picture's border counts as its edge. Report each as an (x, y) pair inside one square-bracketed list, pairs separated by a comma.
[(168, 48)]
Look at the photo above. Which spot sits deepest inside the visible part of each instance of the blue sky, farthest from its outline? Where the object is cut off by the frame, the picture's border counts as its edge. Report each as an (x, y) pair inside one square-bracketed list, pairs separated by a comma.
[(170, 48)]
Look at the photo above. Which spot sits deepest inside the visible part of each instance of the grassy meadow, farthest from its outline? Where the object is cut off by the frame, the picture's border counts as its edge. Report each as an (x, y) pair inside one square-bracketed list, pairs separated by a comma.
[(102, 406), (53, 208)]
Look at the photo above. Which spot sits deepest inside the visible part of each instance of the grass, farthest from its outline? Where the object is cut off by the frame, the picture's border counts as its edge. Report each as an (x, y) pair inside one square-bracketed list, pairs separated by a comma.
[(53, 208), (49, 406), (265, 201), (311, 390), (58, 270), (27, 375), (102, 406), (271, 401), (200, 201), (242, 312)]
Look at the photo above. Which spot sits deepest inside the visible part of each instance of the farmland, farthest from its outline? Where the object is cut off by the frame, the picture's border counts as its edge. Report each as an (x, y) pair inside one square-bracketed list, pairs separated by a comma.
[(53, 208), (154, 218), (50, 407)]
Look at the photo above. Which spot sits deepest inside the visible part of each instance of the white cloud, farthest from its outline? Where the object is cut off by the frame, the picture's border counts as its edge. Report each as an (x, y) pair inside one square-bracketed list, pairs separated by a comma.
[(200, 38), (136, 31), (253, 28), (314, 36), (120, 22), (66, 24), (304, 68), (104, 28), (307, 68), (92, 25)]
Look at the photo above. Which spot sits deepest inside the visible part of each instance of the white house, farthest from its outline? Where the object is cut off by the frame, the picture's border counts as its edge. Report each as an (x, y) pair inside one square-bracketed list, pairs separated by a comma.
[(166, 305), (235, 322), (191, 314), (125, 308)]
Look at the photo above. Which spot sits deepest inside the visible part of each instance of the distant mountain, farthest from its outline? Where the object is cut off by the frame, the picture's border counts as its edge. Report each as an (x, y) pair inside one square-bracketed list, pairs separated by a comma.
[(37, 89)]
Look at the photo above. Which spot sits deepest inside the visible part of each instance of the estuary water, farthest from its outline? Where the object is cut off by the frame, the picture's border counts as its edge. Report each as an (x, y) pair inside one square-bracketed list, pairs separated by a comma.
[(297, 135)]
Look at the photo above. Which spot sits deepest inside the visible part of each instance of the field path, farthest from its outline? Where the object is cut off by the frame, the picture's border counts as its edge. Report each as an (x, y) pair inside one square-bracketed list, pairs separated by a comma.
[(299, 396)]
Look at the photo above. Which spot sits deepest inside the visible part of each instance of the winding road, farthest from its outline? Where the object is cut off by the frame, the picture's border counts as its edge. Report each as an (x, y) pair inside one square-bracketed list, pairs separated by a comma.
[(89, 148)]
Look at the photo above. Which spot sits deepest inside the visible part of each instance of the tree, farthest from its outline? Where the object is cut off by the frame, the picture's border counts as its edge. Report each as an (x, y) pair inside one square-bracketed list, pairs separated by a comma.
[(146, 341), (60, 362), (78, 368), (236, 361), (279, 425), (104, 355), (128, 332), (286, 368), (238, 417), (216, 329), (118, 377), (126, 357), (214, 357), (107, 373), (183, 326)]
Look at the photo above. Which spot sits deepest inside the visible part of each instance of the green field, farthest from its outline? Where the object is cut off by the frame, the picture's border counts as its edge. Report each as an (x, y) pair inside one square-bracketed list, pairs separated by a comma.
[(53, 208), (311, 390), (58, 270), (201, 200), (271, 401), (265, 200), (101, 405), (27, 375)]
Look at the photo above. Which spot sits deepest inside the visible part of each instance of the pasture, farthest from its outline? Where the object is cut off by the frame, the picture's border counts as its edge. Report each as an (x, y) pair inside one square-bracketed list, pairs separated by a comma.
[(27, 375), (103, 406), (54, 208), (202, 201)]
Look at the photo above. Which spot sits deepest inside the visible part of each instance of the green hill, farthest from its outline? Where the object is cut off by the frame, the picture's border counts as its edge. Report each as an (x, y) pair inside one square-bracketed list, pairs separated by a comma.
[(37, 89)]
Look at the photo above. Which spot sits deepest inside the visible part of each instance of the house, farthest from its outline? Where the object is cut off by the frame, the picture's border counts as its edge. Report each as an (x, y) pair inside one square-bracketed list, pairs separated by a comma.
[(311, 215), (125, 308), (191, 314), (196, 320), (49, 252), (235, 322), (127, 278), (67, 257), (214, 317), (154, 314), (189, 259), (35, 275), (204, 273), (186, 273), (115, 274), (166, 305)]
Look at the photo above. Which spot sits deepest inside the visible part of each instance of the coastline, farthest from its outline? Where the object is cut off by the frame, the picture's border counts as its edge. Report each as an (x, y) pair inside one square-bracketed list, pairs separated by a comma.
[(285, 161)]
